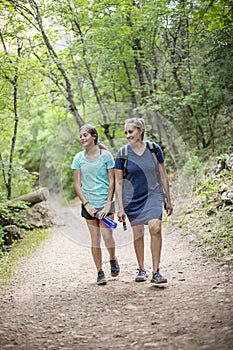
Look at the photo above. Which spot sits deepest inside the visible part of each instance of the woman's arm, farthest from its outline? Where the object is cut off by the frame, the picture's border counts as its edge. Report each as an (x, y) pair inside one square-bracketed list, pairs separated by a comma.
[(166, 187)]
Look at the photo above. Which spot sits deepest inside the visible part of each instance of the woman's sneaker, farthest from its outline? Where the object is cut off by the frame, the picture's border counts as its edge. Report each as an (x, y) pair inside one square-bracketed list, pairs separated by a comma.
[(157, 278), (101, 279), (141, 276), (115, 268)]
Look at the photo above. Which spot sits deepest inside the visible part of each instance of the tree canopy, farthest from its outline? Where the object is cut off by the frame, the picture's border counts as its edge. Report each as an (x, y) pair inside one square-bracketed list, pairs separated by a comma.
[(66, 63)]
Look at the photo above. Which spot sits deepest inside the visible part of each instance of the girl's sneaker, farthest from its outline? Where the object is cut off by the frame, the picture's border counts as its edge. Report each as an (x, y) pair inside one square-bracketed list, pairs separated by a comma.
[(157, 278), (141, 276), (101, 279)]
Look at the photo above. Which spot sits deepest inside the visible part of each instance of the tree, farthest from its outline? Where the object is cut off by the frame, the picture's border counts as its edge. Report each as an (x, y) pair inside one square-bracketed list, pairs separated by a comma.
[(11, 76)]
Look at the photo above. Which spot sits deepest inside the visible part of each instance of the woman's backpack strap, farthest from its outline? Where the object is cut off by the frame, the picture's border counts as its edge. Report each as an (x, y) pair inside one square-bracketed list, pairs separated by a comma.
[(153, 148), (124, 158)]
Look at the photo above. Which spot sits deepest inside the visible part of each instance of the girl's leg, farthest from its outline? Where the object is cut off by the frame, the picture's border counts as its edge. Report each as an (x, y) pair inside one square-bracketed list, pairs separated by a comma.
[(94, 229), (155, 228), (109, 241), (138, 233)]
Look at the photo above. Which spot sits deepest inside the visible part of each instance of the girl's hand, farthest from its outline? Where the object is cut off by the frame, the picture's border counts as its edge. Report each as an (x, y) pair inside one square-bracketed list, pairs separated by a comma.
[(90, 209), (105, 210)]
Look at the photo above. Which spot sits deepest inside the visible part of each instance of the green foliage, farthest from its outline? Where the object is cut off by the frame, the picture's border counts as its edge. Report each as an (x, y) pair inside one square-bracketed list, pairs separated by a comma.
[(173, 57), (2, 240), (194, 167), (8, 210), (213, 14), (22, 183), (208, 189)]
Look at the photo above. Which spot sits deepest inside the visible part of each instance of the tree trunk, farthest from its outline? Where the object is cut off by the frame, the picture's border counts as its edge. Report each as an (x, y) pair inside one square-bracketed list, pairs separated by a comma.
[(34, 197)]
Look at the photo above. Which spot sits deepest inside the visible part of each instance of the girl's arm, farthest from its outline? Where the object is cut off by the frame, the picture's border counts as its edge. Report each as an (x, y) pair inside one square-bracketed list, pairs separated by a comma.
[(77, 186), (78, 190), (111, 189)]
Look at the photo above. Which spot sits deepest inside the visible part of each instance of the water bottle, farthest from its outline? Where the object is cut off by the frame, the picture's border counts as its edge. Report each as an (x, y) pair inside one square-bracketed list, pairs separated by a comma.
[(107, 221)]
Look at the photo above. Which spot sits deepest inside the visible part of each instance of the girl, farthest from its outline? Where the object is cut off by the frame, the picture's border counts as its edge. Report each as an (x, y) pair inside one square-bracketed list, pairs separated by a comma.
[(93, 171)]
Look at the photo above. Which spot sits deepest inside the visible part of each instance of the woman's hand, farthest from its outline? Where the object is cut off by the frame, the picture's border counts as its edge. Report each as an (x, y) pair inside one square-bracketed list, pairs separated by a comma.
[(121, 215), (169, 208)]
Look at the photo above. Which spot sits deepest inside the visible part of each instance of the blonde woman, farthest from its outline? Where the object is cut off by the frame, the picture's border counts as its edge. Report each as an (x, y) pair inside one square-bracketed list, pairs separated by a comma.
[(141, 195), (93, 170)]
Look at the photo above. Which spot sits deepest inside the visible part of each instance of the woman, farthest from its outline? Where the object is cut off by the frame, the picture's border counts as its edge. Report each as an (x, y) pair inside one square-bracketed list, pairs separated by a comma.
[(141, 195), (94, 183)]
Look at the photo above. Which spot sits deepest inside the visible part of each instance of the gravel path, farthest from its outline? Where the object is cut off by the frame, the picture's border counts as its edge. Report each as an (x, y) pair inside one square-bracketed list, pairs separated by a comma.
[(54, 303)]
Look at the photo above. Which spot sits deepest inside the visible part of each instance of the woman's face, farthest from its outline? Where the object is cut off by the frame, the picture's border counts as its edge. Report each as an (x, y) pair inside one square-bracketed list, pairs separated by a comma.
[(132, 133), (86, 138)]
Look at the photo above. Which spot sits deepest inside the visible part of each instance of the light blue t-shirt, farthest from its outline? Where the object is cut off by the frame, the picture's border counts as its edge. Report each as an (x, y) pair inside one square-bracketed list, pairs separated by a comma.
[(94, 176)]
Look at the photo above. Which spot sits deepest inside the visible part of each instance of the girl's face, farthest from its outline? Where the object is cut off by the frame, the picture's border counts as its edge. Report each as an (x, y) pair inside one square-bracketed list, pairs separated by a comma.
[(86, 138), (133, 134)]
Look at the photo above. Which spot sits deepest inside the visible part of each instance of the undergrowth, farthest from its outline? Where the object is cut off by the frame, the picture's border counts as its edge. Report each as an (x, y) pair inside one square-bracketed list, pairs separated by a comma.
[(18, 250), (209, 221)]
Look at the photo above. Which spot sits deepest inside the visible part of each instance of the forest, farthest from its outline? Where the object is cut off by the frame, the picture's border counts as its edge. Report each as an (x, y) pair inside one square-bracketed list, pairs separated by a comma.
[(68, 63)]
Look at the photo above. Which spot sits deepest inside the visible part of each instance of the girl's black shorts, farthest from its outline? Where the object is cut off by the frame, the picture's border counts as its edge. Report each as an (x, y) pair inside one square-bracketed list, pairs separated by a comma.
[(87, 216)]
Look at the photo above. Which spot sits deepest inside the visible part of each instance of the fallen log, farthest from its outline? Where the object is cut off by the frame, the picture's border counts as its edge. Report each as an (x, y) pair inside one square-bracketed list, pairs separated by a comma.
[(34, 197)]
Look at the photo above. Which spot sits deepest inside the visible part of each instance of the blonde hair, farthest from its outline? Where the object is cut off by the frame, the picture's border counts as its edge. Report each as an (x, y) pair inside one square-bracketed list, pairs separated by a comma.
[(137, 123)]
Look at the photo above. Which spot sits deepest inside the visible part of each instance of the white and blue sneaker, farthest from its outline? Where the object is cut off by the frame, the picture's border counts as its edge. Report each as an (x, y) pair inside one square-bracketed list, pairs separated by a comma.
[(141, 276)]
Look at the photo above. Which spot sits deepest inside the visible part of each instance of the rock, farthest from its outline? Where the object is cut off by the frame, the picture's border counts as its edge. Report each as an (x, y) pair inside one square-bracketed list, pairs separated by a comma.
[(151, 345), (211, 211), (12, 233), (224, 188), (227, 197), (37, 216)]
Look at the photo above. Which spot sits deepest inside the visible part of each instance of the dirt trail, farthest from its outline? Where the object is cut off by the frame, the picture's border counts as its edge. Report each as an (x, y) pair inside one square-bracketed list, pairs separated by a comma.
[(54, 302)]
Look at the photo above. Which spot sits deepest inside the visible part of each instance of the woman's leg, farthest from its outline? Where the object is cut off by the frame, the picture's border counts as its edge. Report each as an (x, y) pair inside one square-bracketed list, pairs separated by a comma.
[(94, 229), (155, 228), (138, 233)]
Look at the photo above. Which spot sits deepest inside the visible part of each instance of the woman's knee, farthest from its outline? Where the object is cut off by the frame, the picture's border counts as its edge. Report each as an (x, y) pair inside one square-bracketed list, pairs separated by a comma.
[(138, 232), (155, 227)]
